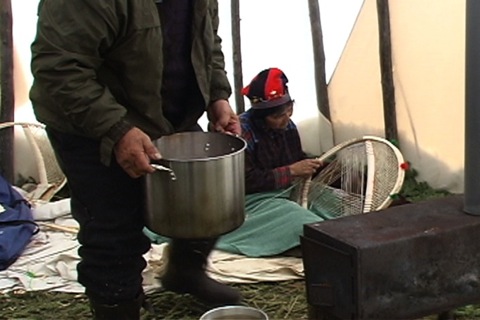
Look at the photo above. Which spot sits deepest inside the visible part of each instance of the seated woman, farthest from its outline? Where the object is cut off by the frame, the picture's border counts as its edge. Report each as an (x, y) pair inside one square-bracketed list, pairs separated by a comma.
[(273, 160)]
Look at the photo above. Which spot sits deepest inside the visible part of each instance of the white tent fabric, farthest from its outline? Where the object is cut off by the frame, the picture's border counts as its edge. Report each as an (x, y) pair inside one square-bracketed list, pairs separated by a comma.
[(428, 48), (49, 261)]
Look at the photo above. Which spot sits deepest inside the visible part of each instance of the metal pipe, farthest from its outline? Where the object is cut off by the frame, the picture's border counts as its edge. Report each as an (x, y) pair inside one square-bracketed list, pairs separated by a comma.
[(472, 109)]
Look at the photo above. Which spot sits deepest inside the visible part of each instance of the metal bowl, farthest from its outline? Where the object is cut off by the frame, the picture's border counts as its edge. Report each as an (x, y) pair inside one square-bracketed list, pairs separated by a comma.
[(234, 313)]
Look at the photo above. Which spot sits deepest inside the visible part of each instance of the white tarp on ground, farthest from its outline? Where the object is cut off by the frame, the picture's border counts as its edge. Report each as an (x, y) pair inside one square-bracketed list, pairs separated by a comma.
[(49, 261)]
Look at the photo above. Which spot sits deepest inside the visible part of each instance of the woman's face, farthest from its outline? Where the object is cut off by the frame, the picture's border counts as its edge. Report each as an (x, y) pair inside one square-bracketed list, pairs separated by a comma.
[(280, 120)]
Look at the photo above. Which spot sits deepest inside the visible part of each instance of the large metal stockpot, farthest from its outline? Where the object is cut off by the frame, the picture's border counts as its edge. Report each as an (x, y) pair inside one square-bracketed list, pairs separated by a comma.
[(204, 194)]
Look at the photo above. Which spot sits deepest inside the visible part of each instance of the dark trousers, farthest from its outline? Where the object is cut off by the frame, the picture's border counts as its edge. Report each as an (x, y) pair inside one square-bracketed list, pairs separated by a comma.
[(108, 205)]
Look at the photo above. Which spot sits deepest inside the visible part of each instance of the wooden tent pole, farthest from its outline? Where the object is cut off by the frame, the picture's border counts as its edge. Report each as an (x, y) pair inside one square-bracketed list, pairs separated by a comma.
[(388, 89), (7, 103), (237, 56), (319, 59)]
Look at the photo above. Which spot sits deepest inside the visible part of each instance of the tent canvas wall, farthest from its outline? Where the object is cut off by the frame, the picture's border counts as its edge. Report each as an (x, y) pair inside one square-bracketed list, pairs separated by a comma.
[(428, 53), (428, 45)]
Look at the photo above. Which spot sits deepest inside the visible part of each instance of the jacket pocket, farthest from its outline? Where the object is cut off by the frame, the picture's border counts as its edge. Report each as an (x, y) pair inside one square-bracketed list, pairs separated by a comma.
[(144, 16)]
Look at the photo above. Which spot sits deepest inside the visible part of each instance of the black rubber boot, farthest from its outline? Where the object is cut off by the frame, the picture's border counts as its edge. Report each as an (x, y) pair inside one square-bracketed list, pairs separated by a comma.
[(128, 310), (185, 273)]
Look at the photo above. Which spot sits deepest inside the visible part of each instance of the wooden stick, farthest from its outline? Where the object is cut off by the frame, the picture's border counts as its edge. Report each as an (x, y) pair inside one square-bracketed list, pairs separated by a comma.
[(58, 227), (237, 56)]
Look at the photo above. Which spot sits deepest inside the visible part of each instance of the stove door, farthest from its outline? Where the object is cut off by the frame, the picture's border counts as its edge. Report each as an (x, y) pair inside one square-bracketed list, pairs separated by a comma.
[(330, 279)]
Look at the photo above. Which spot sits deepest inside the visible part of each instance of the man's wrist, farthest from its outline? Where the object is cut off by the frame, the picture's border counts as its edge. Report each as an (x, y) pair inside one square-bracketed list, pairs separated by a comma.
[(118, 130)]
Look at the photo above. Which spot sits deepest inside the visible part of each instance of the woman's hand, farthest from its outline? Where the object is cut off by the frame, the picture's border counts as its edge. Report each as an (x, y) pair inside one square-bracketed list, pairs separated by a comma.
[(305, 168)]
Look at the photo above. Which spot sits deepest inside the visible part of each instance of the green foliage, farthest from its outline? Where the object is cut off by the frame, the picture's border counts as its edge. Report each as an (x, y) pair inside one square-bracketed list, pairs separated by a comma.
[(414, 190), (468, 312)]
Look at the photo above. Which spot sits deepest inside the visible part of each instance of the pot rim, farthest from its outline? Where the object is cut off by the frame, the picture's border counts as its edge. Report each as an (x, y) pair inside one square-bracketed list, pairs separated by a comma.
[(203, 159)]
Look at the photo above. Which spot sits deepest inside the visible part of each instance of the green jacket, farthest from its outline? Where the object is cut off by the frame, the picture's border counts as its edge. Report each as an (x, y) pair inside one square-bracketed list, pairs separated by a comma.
[(98, 62)]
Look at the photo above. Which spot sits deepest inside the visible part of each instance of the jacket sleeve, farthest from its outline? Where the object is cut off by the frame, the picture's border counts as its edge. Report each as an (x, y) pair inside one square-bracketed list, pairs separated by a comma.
[(219, 87), (73, 37)]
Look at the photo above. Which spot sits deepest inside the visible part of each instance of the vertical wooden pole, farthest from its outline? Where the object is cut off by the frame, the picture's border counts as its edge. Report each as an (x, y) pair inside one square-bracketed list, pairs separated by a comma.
[(388, 89), (237, 56), (319, 59), (7, 103)]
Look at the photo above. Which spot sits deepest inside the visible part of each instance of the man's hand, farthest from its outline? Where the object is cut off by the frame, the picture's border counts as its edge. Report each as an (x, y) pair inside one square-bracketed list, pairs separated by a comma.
[(134, 151), (222, 118)]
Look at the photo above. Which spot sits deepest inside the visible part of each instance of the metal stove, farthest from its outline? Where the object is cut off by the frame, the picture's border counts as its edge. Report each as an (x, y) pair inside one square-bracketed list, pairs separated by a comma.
[(404, 262)]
